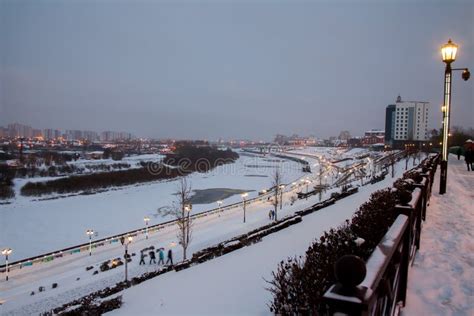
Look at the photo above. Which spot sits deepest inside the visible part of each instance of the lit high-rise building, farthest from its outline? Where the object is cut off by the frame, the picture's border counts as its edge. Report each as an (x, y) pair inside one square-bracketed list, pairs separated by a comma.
[(406, 121)]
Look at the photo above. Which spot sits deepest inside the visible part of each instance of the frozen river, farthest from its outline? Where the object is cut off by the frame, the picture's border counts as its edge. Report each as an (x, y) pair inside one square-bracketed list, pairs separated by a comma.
[(32, 227)]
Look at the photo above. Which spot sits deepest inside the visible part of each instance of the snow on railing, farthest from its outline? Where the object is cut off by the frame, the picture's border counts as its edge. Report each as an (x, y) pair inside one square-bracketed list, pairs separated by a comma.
[(378, 287)]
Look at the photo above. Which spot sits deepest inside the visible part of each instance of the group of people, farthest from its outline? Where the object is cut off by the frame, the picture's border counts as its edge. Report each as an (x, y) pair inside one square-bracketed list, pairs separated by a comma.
[(468, 157), (271, 215), (161, 257)]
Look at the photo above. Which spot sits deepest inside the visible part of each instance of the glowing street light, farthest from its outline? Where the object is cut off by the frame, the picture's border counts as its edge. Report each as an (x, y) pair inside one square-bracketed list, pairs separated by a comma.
[(89, 233), (6, 252), (244, 195), (448, 54), (146, 219), (219, 204), (128, 241), (188, 208)]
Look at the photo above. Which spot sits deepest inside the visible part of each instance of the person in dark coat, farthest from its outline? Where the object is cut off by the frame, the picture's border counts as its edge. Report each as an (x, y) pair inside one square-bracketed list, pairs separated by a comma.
[(152, 256), (468, 157), (459, 152), (170, 257), (142, 258), (270, 214)]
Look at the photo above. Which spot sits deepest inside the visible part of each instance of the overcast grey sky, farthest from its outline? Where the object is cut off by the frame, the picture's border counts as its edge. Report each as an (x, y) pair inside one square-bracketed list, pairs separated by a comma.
[(232, 69)]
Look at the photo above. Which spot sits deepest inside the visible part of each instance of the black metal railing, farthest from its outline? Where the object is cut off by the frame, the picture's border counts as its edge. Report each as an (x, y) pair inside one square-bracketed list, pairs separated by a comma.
[(382, 280)]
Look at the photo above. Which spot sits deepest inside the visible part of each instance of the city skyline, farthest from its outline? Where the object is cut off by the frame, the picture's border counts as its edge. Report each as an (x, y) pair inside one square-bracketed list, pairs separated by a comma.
[(16, 129), (248, 70)]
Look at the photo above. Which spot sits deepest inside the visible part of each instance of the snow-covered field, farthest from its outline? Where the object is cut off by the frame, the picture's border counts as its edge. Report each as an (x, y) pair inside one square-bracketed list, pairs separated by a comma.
[(133, 161), (235, 284), (207, 231), (441, 280), (31, 227)]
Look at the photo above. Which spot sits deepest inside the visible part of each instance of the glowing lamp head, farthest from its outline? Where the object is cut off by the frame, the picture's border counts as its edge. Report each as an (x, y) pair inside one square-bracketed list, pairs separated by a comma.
[(129, 239), (448, 52), (244, 195), (6, 251), (146, 219), (90, 232)]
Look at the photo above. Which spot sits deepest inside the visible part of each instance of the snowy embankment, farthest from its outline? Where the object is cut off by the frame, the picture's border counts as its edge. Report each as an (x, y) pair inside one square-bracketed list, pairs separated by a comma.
[(74, 281), (235, 284), (31, 227), (441, 281)]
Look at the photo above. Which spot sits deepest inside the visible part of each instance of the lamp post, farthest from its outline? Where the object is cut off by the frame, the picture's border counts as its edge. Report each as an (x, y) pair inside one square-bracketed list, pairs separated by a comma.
[(146, 219), (219, 203), (89, 233), (187, 210), (6, 252), (281, 196), (127, 242), (307, 183), (448, 53), (244, 195)]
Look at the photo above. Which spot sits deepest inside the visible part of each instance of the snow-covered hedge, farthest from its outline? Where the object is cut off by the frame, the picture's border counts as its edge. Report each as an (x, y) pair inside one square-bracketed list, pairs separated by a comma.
[(299, 284)]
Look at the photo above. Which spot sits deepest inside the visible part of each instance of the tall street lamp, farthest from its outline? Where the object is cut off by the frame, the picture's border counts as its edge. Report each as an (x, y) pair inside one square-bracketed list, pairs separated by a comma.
[(282, 187), (244, 195), (146, 219), (126, 243), (89, 233), (219, 204), (6, 252), (448, 53), (307, 183)]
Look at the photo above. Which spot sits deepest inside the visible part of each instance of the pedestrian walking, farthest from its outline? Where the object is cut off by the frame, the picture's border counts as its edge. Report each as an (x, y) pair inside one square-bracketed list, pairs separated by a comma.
[(459, 152), (142, 258), (270, 215), (273, 214), (468, 157), (170, 257), (161, 256), (152, 256)]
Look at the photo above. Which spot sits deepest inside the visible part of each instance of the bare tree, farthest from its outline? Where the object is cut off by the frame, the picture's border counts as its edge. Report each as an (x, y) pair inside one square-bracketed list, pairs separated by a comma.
[(181, 210), (276, 183)]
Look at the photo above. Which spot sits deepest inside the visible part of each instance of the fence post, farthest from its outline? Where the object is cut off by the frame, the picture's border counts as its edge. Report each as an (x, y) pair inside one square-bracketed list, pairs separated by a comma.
[(346, 296), (411, 207), (404, 264)]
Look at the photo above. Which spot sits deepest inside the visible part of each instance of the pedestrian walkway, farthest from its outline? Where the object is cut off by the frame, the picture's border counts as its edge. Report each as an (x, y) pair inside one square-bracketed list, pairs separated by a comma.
[(441, 281)]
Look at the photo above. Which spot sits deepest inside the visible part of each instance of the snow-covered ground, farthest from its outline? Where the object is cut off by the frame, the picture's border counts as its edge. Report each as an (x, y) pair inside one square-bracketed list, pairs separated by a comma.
[(207, 231), (441, 280), (234, 284), (31, 227), (133, 161)]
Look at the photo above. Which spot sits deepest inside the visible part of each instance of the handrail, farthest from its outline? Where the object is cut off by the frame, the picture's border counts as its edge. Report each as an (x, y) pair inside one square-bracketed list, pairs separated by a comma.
[(382, 290)]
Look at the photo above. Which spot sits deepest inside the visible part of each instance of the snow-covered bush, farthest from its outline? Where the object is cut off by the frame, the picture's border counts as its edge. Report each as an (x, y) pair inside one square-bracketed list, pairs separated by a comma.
[(299, 283)]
